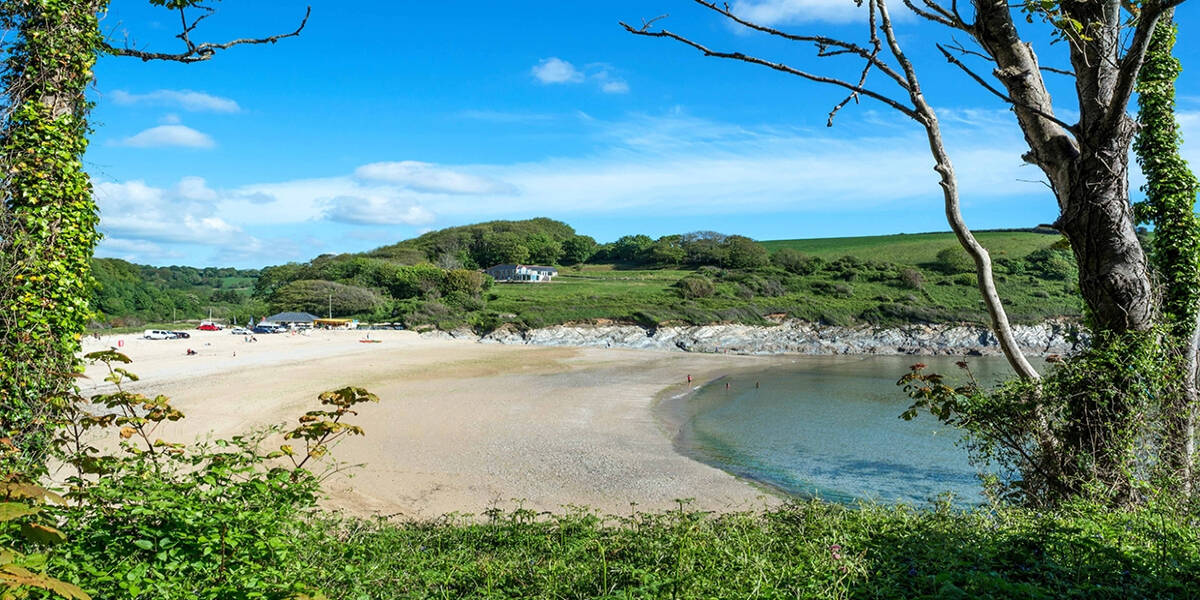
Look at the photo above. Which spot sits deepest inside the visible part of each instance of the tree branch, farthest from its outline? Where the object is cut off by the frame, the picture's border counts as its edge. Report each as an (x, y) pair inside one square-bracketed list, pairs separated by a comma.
[(820, 41), (1131, 63), (858, 89), (987, 86), (202, 51)]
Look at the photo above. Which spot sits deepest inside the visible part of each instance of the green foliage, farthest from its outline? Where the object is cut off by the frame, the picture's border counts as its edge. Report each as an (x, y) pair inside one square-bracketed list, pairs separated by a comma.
[(695, 286), (49, 219), (129, 294), (796, 262), (953, 260), (495, 242), (1052, 263), (317, 296), (22, 573), (577, 249), (743, 253), (802, 550), (217, 519), (1086, 429), (1170, 188)]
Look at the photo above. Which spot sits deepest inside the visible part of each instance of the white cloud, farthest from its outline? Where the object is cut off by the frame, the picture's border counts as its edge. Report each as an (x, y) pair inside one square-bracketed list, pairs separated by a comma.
[(426, 177), (556, 70), (184, 99), (377, 210), (657, 167), (615, 86), (791, 12), (169, 136), (137, 211), (667, 166), (195, 188)]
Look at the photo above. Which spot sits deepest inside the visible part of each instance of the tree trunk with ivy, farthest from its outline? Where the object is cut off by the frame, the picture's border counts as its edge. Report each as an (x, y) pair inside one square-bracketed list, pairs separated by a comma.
[(1170, 202), (49, 217)]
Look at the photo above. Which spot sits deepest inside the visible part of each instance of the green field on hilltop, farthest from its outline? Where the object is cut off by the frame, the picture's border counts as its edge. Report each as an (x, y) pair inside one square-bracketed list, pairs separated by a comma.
[(859, 280), (916, 248)]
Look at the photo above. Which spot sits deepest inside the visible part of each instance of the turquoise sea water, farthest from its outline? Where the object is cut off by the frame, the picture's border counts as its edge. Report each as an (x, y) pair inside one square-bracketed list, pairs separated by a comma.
[(830, 427)]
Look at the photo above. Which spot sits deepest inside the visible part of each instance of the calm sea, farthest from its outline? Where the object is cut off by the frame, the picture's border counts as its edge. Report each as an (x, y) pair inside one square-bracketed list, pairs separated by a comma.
[(830, 427)]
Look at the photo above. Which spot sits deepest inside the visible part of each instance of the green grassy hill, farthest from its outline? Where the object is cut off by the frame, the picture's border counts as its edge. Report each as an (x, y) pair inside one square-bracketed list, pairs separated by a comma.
[(697, 278), (852, 280), (916, 248)]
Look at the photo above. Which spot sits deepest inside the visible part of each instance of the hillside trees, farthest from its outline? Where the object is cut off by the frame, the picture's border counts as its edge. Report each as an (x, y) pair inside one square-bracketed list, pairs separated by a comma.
[(320, 297), (48, 212), (1086, 437)]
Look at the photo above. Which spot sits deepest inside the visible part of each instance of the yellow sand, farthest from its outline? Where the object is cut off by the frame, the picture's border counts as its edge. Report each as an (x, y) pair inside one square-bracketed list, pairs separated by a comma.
[(461, 426)]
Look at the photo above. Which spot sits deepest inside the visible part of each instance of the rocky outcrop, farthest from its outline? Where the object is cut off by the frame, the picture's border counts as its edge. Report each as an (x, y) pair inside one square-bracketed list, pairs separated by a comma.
[(793, 337)]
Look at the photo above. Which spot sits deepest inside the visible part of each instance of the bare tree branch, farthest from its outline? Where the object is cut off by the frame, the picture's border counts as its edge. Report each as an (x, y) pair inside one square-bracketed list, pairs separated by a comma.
[(205, 50), (981, 81), (819, 40), (858, 89)]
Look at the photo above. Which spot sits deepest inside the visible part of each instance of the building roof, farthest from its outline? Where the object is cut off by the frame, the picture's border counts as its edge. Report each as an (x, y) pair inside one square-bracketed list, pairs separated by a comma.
[(292, 317), (540, 267)]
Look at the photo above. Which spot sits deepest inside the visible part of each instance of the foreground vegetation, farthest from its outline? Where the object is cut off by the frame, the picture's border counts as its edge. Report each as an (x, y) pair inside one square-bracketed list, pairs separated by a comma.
[(809, 549)]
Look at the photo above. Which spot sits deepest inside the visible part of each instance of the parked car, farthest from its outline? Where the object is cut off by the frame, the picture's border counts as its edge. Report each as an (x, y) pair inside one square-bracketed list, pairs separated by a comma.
[(264, 329), (181, 334), (209, 327), (158, 334), (239, 331)]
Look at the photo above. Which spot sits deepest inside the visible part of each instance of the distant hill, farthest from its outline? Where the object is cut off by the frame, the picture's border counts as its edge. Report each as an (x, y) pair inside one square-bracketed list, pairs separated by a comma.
[(698, 277)]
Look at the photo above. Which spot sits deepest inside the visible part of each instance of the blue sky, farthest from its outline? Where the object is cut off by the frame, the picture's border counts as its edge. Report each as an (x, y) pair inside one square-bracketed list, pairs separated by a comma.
[(388, 119)]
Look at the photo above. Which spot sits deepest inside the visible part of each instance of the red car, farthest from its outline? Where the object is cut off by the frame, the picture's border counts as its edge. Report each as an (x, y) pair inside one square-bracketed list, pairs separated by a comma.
[(209, 327)]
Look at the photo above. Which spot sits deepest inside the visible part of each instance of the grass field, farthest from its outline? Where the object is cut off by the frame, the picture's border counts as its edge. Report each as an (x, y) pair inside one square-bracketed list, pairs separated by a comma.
[(865, 288), (810, 550), (915, 248)]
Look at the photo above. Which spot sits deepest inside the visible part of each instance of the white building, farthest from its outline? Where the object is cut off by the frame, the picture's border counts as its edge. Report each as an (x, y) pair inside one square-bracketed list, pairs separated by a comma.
[(521, 273)]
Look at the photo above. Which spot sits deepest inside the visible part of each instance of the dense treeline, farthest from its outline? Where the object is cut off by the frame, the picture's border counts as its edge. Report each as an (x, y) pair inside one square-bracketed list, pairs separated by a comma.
[(540, 241), (131, 294)]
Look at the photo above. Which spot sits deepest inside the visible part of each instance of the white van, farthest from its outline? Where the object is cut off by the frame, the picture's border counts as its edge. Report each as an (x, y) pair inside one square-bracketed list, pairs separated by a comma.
[(158, 334)]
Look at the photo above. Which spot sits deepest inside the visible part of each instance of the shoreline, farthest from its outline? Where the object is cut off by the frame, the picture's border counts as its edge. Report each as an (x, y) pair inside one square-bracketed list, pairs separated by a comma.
[(462, 427), (789, 337)]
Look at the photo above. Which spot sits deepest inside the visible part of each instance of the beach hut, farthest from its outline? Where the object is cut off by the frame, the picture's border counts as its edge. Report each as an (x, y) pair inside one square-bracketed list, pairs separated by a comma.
[(335, 323)]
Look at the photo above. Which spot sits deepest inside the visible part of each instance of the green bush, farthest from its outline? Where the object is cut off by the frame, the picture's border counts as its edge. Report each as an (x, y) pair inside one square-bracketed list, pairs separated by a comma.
[(796, 262), (695, 286), (318, 297), (954, 260), (1053, 263), (967, 279)]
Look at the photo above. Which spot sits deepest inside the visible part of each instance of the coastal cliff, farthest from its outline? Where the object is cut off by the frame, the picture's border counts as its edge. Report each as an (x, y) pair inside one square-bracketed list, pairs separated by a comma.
[(792, 337)]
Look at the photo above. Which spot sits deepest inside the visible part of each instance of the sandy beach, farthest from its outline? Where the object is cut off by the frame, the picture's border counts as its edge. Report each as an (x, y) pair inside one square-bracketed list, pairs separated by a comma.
[(461, 426)]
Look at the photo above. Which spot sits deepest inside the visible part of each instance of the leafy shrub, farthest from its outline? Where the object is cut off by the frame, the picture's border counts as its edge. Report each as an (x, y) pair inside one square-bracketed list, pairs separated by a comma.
[(744, 253), (695, 286), (212, 520), (1052, 263), (967, 279), (954, 260), (796, 262), (842, 290), (318, 297)]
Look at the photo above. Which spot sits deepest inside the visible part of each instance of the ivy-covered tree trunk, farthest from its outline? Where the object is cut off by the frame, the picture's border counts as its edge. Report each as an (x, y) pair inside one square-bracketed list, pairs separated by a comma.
[(1170, 203), (49, 217)]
